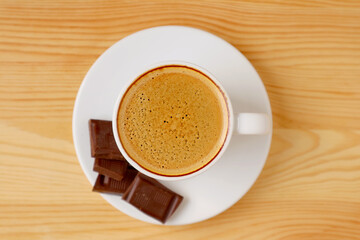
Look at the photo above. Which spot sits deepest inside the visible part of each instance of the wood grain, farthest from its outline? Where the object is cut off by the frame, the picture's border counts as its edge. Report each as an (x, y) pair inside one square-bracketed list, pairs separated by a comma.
[(306, 52)]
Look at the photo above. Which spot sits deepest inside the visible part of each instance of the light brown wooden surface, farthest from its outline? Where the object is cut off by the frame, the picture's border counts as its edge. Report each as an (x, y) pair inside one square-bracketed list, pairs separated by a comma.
[(306, 52)]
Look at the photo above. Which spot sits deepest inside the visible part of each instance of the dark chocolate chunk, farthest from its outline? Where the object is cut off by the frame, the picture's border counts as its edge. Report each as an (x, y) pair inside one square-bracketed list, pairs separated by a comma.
[(102, 140), (105, 184), (152, 198), (114, 169)]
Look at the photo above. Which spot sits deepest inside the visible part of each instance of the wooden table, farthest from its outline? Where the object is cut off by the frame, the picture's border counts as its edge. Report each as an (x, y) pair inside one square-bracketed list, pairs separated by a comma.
[(306, 52)]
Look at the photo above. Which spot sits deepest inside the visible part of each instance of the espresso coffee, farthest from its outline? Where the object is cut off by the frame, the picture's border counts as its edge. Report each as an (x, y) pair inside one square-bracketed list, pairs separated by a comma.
[(173, 120)]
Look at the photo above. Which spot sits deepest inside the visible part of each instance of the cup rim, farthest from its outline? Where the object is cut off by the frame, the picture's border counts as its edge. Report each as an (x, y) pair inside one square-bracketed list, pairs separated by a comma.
[(202, 168)]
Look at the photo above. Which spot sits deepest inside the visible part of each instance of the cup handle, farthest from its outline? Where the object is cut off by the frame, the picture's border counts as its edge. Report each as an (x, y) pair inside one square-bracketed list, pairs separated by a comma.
[(253, 123)]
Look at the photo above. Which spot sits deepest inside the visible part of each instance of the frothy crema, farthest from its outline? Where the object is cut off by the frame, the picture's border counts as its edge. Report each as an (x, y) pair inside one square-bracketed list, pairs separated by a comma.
[(173, 120)]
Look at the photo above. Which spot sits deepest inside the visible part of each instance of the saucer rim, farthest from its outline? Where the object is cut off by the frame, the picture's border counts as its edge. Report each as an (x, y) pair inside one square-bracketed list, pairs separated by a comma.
[(100, 58)]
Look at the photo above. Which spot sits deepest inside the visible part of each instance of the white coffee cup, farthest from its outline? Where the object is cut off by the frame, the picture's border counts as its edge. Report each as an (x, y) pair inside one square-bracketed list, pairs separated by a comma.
[(239, 123)]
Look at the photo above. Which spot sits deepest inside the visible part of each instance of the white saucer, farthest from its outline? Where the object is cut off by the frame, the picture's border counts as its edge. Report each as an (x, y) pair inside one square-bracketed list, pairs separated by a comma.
[(214, 191)]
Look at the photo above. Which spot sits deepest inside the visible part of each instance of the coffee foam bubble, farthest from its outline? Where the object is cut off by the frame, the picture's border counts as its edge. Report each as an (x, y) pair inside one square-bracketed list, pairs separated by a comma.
[(172, 121)]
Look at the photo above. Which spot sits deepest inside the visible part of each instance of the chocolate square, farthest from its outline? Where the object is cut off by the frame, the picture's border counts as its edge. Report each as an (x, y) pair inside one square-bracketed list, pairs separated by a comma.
[(114, 169), (152, 198), (102, 140), (105, 184)]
